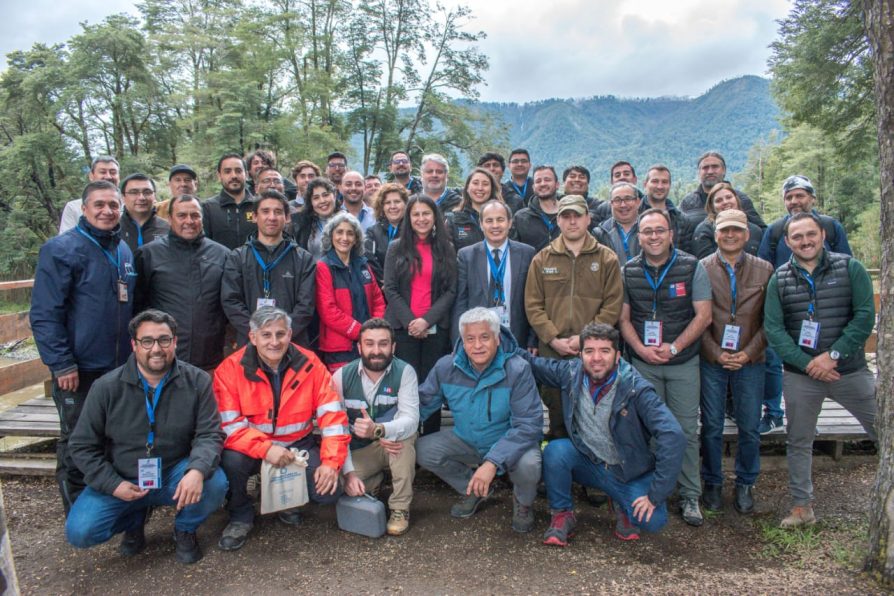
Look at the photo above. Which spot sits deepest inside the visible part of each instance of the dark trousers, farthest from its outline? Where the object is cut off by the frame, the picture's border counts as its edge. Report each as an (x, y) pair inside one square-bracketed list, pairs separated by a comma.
[(422, 354), (69, 405), (240, 467)]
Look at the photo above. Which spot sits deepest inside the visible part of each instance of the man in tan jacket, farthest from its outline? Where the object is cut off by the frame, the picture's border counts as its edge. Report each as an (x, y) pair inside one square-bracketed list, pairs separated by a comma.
[(572, 282)]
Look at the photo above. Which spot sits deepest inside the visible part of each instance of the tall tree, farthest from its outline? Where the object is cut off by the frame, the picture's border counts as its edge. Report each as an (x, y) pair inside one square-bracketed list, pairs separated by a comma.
[(879, 22)]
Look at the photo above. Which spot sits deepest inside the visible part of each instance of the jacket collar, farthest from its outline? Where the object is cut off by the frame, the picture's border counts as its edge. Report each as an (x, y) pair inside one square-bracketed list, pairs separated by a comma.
[(558, 245), (251, 363)]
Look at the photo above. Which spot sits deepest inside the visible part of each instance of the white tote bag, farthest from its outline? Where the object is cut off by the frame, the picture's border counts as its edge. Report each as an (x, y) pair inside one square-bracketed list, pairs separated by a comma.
[(286, 487)]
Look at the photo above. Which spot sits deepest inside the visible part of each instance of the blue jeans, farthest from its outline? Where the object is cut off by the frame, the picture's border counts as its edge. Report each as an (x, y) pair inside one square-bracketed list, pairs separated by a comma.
[(95, 517), (773, 384), (563, 463), (748, 389)]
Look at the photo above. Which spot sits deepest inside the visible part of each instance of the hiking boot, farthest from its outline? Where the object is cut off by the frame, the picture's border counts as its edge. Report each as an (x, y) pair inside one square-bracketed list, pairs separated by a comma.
[(290, 517), (799, 516), (469, 505), (398, 522), (623, 528), (133, 542), (187, 550), (712, 497), (769, 423), (744, 502), (561, 528), (692, 515), (234, 535), (522, 517)]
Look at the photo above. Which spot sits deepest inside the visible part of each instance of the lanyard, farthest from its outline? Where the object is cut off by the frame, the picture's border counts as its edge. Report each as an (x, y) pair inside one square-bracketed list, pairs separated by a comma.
[(498, 273), (661, 277), (548, 222), (150, 408), (115, 261), (139, 235), (392, 232), (811, 308), (625, 239), (267, 268), (441, 198), (521, 191), (732, 288), (595, 391)]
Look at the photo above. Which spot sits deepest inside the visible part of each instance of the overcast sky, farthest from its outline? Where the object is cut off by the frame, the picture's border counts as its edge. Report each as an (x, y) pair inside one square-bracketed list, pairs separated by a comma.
[(540, 49)]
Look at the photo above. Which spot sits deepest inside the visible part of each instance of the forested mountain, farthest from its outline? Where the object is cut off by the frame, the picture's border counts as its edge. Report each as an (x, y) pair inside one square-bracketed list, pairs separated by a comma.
[(599, 131)]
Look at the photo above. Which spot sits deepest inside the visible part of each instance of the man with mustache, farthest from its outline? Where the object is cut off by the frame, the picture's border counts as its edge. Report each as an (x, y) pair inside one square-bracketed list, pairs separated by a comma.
[(229, 217), (711, 170), (381, 395)]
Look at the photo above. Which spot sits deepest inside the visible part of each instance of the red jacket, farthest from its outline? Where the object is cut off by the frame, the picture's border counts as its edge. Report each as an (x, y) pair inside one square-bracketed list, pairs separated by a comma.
[(338, 327), (245, 399)]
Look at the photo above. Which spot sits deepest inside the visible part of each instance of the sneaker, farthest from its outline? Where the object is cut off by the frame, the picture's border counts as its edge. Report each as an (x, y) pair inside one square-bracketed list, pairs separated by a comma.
[(692, 515), (187, 551), (561, 528), (623, 528), (234, 535), (133, 542), (798, 517), (712, 497), (469, 505), (522, 517), (398, 522), (290, 517), (769, 423)]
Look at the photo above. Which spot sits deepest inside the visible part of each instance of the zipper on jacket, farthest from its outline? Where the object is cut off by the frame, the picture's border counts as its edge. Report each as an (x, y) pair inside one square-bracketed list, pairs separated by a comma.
[(489, 395)]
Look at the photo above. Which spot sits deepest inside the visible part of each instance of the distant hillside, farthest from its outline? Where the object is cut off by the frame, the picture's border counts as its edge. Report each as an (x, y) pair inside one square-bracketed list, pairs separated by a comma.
[(599, 131)]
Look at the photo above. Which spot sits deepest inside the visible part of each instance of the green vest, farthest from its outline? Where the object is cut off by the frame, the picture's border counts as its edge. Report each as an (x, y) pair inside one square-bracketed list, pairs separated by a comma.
[(384, 405)]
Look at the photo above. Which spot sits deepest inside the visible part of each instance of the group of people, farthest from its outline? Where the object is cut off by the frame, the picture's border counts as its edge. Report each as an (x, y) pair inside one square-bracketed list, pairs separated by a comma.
[(189, 340)]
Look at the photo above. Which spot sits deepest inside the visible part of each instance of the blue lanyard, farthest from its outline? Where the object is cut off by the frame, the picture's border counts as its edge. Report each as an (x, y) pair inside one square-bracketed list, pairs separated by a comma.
[(498, 274), (811, 308), (139, 235), (732, 288), (549, 224), (150, 407), (521, 191), (441, 198), (114, 260), (392, 232), (267, 268), (594, 392), (625, 239), (661, 277)]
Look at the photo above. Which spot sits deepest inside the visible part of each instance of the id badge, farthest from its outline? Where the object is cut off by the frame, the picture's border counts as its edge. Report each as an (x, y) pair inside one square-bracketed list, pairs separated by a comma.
[(262, 302), (122, 290), (149, 472), (502, 312), (433, 329), (731, 337), (809, 337), (652, 333)]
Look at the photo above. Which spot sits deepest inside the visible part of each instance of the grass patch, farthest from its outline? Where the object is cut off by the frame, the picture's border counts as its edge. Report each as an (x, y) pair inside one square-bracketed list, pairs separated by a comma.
[(842, 543), (13, 307)]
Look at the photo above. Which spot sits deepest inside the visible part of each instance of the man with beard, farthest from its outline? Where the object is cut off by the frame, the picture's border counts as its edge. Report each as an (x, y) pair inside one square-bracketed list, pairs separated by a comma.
[(381, 395), (435, 171), (401, 167), (711, 170), (229, 217), (149, 436), (351, 188)]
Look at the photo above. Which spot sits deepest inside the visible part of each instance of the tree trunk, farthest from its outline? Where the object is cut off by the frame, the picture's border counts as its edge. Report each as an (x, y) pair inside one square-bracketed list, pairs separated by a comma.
[(879, 19)]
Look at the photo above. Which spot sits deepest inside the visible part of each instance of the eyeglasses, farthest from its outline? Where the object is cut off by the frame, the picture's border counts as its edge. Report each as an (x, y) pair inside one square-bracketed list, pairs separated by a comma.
[(334, 165), (135, 192), (623, 200), (400, 162), (654, 232), (164, 341)]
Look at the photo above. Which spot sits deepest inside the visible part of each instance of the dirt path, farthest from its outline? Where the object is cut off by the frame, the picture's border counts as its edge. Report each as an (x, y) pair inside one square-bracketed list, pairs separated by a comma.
[(729, 554)]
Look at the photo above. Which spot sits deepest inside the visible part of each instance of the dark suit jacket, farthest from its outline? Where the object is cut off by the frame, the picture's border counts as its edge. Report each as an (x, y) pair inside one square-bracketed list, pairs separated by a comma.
[(473, 284)]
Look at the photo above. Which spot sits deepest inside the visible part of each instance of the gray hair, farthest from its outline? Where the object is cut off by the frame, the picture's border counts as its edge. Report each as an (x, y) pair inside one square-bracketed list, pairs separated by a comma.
[(437, 158), (266, 315), (337, 219), (479, 314), (622, 184)]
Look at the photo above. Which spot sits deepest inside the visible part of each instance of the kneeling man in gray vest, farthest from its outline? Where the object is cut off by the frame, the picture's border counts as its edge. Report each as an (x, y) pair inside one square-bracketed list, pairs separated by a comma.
[(381, 396), (497, 418)]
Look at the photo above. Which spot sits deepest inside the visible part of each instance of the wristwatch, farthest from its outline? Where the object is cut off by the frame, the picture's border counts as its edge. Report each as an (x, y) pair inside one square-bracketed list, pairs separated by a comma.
[(835, 355), (673, 350), (379, 432)]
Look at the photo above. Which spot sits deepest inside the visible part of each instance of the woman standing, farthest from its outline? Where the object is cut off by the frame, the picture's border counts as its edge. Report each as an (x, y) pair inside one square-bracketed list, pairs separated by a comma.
[(462, 223), (389, 205), (420, 294), (320, 204), (347, 292), (721, 198)]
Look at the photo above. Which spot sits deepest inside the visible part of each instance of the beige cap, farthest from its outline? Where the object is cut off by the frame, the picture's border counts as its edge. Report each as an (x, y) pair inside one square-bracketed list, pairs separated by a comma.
[(575, 203), (731, 218)]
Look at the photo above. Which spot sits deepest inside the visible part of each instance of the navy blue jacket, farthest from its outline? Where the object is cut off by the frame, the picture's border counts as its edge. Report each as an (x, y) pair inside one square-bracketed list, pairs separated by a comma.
[(638, 416), (77, 320)]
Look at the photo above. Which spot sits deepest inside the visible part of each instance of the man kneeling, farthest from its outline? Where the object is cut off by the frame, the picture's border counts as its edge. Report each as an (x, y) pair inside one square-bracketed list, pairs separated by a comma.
[(381, 395), (149, 436), (268, 394), (497, 418), (611, 414)]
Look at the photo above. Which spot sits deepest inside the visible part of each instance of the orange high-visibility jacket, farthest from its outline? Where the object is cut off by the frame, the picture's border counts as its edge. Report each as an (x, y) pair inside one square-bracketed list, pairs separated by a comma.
[(245, 399)]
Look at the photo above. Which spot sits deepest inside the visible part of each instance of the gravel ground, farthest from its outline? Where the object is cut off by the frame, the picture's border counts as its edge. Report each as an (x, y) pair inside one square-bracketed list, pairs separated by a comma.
[(482, 555)]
